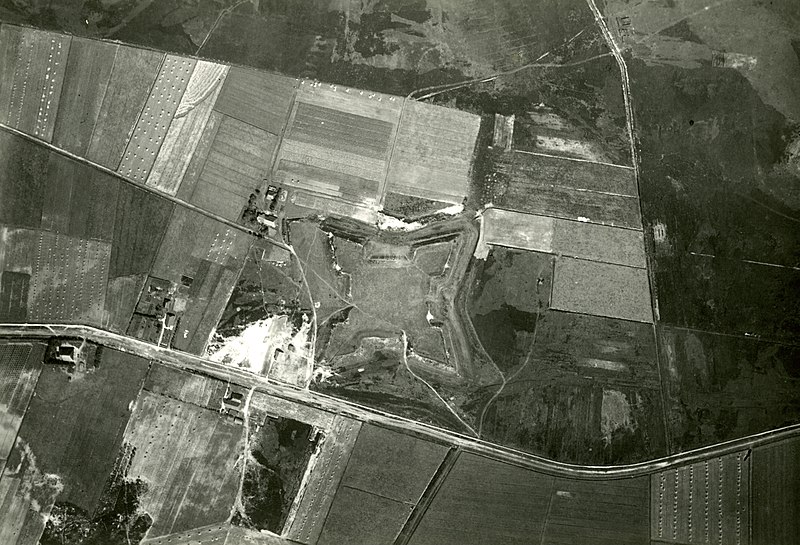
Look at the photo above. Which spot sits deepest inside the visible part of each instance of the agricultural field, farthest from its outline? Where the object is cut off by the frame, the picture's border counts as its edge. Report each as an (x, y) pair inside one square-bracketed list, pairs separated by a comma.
[(234, 165), (483, 501), (326, 471), (601, 289), (88, 70), (190, 453), (564, 237), (33, 69), (124, 98), (775, 491), (713, 499), (69, 279), (151, 128), (337, 143), (566, 189), (187, 127), (22, 180), (243, 98), (21, 365), (433, 143), (74, 424)]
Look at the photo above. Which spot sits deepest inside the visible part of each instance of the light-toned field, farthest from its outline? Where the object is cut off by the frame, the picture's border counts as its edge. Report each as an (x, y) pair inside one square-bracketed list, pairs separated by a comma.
[(518, 230), (187, 126), (69, 279), (20, 366), (326, 470), (122, 294), (187, 456), (156, 118), (280, 408), (706, 502), (27, 496), (237, 163), (32, 72), (564, 237), (354, 101), (433, 153), (258, 98), (602, 289)]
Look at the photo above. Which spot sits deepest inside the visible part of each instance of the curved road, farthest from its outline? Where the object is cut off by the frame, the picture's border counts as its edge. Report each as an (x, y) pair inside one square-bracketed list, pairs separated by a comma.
[(367, 414)]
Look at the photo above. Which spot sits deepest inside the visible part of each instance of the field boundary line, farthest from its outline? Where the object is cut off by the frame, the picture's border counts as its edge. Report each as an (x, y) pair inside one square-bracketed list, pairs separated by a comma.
[(540, 154)]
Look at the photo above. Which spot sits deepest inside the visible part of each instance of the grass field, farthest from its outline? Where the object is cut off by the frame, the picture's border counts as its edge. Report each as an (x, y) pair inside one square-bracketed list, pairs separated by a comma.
[(326, 474), (188, 455), (257, 98), (156, 118), (140, 223), (564, 237), (187, 127), (601, 289), (122, 295), (607, 513), (69, 279), (360, 518), (79, 201), (433, 152), (75, 427), (32, 75), (88, 69), (392, 465), (20, 365), (124, 98), (713, 499), (194, 389), (18, 248), (776, 493), (237, 161), (23, 171), (483, 501)]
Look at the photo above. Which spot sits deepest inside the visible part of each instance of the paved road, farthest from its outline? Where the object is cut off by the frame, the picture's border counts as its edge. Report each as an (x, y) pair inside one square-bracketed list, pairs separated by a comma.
[(367, 414)]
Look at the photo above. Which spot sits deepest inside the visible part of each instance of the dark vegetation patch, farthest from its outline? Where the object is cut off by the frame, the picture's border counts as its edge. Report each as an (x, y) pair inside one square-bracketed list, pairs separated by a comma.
[(721, 387), (410, 208), (513, 289), (75, 422), (23, 171), (710, 185), (141, 221), (14, 288), (116, 521), (280, 449), (682, 31)]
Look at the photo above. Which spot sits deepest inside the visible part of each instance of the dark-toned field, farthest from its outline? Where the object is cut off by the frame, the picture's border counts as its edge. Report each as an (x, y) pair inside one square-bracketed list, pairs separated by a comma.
[(23, 178), (720, 387), (88, 70), (141, 221), (258, 98), (776, 494)]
